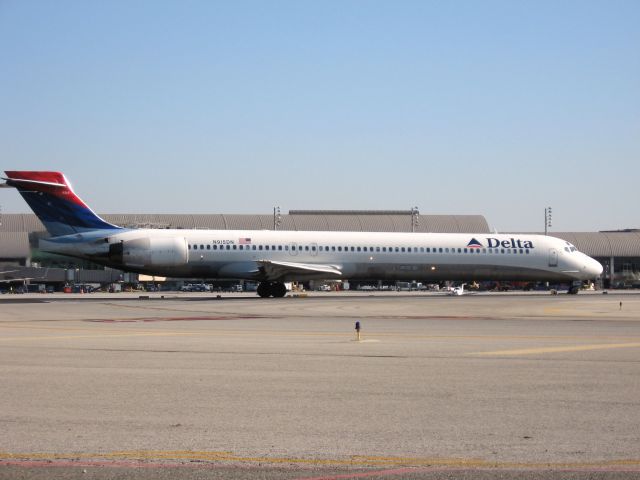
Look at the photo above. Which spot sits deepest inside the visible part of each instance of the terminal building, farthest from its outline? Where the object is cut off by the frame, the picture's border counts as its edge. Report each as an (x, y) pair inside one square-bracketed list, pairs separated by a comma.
[(617, 251)]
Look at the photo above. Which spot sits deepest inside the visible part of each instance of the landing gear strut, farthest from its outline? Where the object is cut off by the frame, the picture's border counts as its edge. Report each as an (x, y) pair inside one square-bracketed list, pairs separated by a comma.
[(272, 289)]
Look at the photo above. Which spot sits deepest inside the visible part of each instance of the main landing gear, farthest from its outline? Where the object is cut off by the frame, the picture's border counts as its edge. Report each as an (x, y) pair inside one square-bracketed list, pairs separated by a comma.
[(272, 289)]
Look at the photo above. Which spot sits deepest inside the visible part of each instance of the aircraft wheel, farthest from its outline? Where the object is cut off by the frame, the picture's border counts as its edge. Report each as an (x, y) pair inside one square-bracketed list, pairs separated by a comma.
[(278, 289), (264, 289)]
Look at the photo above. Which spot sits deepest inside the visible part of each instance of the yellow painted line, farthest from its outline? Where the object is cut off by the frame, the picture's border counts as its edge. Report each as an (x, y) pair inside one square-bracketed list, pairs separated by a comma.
[(574, 348), (354, 460), (106, 335)]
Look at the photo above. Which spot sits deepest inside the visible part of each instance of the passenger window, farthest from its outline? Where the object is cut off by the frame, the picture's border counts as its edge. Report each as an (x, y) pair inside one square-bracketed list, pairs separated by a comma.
[(259, 247), (235, 247), (359, 249), (280, 247), (306, 248), (253, 247), (286, 247)]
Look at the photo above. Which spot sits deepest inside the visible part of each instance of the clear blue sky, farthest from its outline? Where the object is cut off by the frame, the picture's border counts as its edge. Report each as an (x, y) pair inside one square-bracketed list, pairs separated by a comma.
[(497, 108)]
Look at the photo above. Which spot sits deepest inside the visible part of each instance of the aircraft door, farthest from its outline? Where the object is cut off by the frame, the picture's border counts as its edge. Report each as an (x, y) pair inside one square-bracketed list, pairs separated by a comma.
[(293, 249), (553, 257)]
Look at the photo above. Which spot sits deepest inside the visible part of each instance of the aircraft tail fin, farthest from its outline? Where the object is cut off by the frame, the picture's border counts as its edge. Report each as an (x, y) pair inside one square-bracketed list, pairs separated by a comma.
[(52, 199)]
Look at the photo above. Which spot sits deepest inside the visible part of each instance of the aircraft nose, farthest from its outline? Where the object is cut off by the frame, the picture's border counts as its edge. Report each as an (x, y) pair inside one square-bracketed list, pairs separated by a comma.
[(592, 267)]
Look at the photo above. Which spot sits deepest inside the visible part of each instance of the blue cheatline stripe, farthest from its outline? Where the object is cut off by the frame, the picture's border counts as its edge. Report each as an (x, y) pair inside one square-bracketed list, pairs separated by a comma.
[(62, 217)]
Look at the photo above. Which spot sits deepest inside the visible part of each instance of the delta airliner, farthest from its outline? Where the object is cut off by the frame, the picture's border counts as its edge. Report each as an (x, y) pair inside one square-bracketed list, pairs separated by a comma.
[(276, 257)]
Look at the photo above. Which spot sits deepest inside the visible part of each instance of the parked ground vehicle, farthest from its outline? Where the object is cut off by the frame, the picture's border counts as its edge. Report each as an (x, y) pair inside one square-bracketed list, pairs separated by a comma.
[(196, 287)]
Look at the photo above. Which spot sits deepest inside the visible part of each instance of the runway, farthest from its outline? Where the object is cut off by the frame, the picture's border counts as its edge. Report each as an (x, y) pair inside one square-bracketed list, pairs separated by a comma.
[(530, 386)]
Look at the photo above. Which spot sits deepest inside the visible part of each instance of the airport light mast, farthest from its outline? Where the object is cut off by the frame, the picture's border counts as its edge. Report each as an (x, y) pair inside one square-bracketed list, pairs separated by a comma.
[(415, 218), (547, 219), (277, 218)]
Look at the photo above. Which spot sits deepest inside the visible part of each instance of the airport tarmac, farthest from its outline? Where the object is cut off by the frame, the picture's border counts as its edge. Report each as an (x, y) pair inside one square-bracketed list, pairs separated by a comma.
[(192, 386)]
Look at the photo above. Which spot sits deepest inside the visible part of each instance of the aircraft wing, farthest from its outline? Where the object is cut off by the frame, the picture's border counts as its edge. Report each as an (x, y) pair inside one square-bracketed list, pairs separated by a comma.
[(274, 270)]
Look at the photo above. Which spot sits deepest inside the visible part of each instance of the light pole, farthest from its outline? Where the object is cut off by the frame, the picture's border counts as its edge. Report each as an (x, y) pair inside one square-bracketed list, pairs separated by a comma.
[(547, 219), (277, 218), (415, 218)]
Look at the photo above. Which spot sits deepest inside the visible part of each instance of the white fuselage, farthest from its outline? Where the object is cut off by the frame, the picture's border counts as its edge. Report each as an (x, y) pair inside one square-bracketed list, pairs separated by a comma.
[(292, 255)]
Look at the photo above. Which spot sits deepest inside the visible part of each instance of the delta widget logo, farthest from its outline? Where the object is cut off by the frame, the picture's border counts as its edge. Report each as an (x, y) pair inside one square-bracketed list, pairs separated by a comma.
[(473, 243)]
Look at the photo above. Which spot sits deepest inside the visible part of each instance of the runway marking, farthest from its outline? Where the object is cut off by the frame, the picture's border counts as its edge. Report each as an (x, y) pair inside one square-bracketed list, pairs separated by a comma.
[(574, 348), (105, 335), (371, 337), (172, 459), (176, 319)]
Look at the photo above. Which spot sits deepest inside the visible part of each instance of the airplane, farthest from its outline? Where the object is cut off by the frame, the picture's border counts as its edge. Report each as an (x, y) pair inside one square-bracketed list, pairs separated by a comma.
[(275, 257)]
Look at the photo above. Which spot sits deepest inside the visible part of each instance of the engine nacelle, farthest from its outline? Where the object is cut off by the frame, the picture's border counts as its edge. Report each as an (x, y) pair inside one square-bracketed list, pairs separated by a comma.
[(155, 252)]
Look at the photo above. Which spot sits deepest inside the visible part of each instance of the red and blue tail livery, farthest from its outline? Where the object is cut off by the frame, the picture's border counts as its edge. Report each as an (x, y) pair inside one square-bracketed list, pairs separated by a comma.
[(51, 197)]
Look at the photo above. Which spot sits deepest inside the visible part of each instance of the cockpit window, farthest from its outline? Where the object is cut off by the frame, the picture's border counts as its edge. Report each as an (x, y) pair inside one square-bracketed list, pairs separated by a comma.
[(570, 248)]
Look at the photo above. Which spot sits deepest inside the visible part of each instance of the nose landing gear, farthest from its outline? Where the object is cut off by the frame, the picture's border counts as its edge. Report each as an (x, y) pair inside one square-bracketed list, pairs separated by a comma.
[(272, 289)]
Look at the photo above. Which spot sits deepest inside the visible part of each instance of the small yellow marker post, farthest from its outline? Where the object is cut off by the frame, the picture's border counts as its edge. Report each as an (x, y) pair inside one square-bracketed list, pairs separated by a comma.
[(358, 331)]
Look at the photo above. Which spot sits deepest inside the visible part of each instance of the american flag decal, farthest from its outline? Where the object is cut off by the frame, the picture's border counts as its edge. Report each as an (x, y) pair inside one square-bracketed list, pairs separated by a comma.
[(244, 241)]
